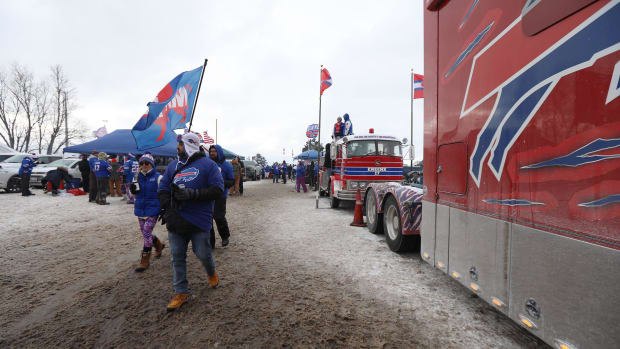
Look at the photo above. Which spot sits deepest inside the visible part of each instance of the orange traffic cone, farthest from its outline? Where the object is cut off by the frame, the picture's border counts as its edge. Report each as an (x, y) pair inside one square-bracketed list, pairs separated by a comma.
[(358, 216)]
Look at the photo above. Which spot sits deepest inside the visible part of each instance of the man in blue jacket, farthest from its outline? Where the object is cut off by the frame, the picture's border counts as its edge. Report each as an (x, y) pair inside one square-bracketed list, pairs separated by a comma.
[(216, 153), (28, 163), (102, 169), (92, 179), (301, 173), (187, 191), (348, 125)]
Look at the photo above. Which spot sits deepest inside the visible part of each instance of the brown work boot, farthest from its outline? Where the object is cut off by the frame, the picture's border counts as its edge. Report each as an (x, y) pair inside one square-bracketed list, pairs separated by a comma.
[(144, 261), (178, 300), (214, 280), (158, 247)]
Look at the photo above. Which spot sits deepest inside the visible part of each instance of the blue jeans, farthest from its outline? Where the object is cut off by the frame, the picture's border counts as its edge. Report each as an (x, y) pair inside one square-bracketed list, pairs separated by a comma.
[(178, 250)]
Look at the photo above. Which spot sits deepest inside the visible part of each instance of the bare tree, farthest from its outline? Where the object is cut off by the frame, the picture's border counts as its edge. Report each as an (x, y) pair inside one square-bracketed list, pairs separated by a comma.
[(22, 88), (9, 111), (42, 105), (61, 90)]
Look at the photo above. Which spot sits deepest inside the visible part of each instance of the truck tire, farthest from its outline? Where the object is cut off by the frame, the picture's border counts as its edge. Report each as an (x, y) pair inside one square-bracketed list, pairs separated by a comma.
[(14, 185), (334, 202), (392, 227), (373, 217)]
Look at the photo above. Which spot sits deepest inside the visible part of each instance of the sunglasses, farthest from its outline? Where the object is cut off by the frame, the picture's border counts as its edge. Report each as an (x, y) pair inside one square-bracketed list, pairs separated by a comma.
[(144, 163)]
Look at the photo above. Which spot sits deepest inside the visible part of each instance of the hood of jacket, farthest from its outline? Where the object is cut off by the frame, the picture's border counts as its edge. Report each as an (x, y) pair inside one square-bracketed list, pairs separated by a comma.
[(345, 117), (220, 153)]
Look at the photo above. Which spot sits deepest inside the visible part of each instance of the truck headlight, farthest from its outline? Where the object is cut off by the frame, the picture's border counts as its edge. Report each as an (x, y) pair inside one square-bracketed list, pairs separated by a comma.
[(353, 185), (362, 185)]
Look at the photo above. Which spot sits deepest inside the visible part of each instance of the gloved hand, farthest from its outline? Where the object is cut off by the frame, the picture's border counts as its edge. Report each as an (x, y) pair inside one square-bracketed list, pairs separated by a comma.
[(184, 194), (133, 189), (162, 217)]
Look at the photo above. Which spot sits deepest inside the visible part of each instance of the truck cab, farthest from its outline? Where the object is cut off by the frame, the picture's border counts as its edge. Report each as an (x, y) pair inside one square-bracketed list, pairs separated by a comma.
[(353, 162)]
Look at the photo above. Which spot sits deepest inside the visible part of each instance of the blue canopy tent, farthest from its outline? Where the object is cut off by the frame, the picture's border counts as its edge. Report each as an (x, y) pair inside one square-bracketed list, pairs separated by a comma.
[(122, 142), (308, 155)]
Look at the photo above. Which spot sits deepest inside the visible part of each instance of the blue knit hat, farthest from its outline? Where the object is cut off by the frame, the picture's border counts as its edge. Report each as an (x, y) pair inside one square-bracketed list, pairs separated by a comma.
[(148, 158)]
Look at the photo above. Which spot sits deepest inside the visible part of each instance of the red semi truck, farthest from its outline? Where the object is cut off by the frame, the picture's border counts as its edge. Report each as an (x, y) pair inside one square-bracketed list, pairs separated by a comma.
[(521, 195)]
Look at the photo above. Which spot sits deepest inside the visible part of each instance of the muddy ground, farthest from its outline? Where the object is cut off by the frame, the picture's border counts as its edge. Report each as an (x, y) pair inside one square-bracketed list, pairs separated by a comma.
[(292, 277)]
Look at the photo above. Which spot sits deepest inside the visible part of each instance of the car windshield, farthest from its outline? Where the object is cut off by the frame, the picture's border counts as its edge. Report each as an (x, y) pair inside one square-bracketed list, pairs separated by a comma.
[(15, 159), (61, 162), (365, 148)]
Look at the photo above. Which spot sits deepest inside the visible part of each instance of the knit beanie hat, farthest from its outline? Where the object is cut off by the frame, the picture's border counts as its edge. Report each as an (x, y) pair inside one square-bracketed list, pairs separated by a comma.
[(147, 157), (102, 156), (191, 142)]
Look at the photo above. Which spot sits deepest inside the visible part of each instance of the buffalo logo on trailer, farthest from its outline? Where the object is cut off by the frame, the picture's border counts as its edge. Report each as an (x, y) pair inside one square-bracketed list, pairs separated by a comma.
[(518, 98)]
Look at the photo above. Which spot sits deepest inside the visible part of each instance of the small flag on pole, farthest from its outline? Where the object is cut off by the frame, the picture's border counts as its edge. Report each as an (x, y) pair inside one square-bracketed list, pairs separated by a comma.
[(326, 80), (418, 86), (100, 132), (206, 139), (312, 131)]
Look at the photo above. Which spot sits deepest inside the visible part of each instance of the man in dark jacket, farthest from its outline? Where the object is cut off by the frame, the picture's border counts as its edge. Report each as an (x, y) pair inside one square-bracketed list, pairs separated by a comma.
[(186, 193), (54, 177), (284, 169), (84, 168), (216, 153)]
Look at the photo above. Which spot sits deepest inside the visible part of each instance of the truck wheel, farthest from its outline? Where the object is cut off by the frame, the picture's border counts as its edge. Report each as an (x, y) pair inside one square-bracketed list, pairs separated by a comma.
[(375, 219), (14, 185), (334, 202), (393, 229)]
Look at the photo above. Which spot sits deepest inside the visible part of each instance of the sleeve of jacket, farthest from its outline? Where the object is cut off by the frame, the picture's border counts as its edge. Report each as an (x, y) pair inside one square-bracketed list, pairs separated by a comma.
[(227, 175), (215, 184)]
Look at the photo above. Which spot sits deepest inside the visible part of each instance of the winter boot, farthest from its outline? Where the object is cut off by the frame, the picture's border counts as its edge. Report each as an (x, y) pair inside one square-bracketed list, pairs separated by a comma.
[(178, 300), (214, 280), (158, 247), (144, 261)]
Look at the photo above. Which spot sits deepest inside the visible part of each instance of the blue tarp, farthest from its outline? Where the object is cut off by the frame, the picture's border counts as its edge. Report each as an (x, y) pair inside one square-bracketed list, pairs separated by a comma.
[(308, 155), (122, 142)]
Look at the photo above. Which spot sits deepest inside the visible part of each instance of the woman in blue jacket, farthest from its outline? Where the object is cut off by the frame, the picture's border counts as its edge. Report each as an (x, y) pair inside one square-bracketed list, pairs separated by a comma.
[(146, 207)]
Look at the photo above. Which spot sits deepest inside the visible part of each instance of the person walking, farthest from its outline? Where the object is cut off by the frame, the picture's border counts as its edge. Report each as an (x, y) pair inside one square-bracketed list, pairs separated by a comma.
[(130, 171), (289, 170), (284, 171), (54, 177), (311, 170), (315, 171), (92, 179), (243, 175), (216, 153), (115, 177), (102, 170), (300, 175), (84, 168), (276, 172), (25, 170), (186, 194), (147, 208), (234, 190)]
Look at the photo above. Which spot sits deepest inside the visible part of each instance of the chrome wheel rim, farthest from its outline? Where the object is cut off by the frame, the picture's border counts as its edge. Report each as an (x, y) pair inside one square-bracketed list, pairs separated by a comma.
[(391, 219), (371, 209)]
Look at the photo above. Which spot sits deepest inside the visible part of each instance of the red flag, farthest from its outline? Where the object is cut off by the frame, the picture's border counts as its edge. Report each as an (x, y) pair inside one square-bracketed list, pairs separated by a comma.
[(326, 80), (418, 86)]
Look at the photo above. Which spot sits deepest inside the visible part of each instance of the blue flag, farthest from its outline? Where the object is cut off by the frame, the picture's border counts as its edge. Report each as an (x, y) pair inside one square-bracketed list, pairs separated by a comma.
[(171, 110)]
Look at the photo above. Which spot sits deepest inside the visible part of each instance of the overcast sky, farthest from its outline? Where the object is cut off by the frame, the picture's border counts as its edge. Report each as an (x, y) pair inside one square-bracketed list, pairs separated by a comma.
[(262, 79)]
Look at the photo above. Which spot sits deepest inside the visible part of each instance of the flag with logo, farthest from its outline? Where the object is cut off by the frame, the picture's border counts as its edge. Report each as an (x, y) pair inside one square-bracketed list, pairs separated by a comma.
[(312, 131), (418, 86), (170, 110), (100, 132), (326, 80)]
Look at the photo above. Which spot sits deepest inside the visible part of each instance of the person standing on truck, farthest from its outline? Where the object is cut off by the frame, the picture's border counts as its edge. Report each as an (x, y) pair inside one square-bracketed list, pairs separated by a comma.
[(84, 168), (28, 163), (338, 129), (102, 170), (147, 208), (348, 125), (92, 179), (300, 177), (216, 153), (186, 193)]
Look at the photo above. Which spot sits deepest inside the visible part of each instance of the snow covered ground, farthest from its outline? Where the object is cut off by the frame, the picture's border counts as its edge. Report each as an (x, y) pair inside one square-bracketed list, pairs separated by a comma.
[(293, 276)]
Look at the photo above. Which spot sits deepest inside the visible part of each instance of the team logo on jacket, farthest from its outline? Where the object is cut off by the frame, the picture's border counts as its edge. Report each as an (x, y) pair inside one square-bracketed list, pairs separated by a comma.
[(187, 175)]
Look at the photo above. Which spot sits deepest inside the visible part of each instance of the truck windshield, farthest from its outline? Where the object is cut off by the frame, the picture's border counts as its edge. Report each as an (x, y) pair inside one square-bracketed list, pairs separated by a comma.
[(366, 148)]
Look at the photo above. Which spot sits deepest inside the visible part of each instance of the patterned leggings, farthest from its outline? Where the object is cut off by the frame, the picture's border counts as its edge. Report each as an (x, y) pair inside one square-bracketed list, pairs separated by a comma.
[(146, 226)]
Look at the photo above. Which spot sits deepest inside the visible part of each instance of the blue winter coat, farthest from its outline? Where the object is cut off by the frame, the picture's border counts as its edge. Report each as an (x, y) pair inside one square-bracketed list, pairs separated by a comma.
[(102, 168), (276, 170), (348, 125), (200, 173), (91, 163), (301, 171), (225, 168), (27, 165), (147, 202)]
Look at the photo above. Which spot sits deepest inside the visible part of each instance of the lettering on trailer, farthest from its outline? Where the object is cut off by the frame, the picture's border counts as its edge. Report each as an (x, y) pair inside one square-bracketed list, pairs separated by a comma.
[(377, 170), (520, 96)]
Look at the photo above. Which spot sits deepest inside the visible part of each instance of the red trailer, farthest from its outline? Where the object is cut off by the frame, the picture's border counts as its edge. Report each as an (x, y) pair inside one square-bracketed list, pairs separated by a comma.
[(521, 198)]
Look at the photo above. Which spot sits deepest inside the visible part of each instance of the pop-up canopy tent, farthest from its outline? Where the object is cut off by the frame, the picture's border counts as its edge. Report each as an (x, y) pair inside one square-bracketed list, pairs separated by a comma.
[(308, 155), (122, 142)]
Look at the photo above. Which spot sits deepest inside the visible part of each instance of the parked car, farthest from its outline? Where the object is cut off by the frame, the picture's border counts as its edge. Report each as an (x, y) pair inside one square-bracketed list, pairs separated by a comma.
[(252, 170), (9, 170), (41, 170)]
